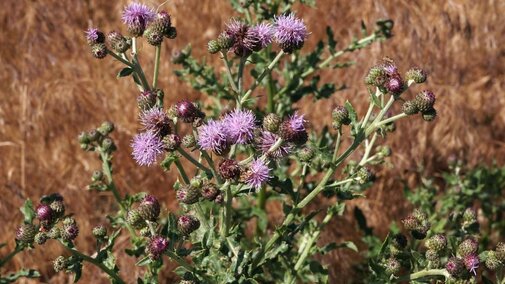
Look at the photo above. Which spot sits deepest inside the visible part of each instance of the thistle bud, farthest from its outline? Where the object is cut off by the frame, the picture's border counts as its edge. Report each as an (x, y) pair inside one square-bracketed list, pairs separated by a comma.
[(500, 251), (455, 266), (149, 208), (44, 212), (393, 266), (416, 75), (210, 191), (436, 243), (99, 232), (54, 233), (146, 100), (425, 100), (420, 215), (135, 220), (492, 262), (106, 128), (83, 138), (94, 135), (189, 141), (376, 76), (429, 115), (432, 255), (229, 169), (293, 130), (213, 47), (70, 230), (153, 35), (156, 247), (395, 85), (472, 262), (188, 224), (420, 232), (40, 238), (340, 117), (58, 208), (271, 122), (409, 108), (364, 175), (99, 50), (187, 111), (97, 176), (306, 154), (410, 223), (469, 217), (224, 41), (108, 145), (188, 194), (60, 264), (467, 247), (171, 142), (118, 42), (399, 241), (26, 233)]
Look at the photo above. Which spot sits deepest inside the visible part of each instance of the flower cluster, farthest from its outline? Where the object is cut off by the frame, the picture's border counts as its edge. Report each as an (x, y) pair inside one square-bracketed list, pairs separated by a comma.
[(238, 37)]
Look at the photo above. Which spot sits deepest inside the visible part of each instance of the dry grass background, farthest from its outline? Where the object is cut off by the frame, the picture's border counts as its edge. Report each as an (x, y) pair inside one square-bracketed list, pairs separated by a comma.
[(51, 88)]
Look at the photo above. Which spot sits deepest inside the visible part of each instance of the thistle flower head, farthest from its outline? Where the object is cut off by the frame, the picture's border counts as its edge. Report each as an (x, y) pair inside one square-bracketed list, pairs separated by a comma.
[(455, 266), (156, 120), (243, 43), (293, 129), (187, 111), (260, 36), (26, 233), (188, 224), (267, 140), (240, 126), (94, 36), (149, 208), (44, 212), (212, 137), (146, 147), (257, 174), (229, 169), (290, 32), (157, 246), (70, 231), (137, 16), (389, 66), (472, 263)]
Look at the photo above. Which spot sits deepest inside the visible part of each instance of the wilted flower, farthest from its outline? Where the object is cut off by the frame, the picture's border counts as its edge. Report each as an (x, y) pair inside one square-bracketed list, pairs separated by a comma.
[(137, 16), (267, 140), (257, 174), (213, 137), (146, 147), (240, 125), (290, 32)]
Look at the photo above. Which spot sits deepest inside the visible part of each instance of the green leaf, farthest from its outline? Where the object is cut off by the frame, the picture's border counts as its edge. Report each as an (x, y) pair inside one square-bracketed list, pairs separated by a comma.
[(28, 211), (332, 43), (375, 100), (143, 261), (125, 72), (13, 277), (348, 244), (352, 113)]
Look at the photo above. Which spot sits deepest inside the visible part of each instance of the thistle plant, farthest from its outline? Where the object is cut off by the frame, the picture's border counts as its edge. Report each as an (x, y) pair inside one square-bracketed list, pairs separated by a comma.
[(243, 154)]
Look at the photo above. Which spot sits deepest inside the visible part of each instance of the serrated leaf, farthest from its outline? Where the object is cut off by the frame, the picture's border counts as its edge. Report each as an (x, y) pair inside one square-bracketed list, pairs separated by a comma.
[(375, 100), (125, 72), (28, 211), (348, 244), (352, 113), (332, 43)]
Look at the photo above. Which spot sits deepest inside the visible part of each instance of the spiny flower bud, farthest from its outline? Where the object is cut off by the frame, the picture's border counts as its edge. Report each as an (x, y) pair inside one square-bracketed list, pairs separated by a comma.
[(364, 175), (500, 251), (340, 117), (157, 246), (410, 108), (376, 76), (135, 220), (97, 175), (420, 215), (70, 230), (467, 247), (146, 100), (188, 224), (99, 50), (26, 233), (99, 232), (108, 145), (271, 122), (395, 85), (393, 266), (58, 208), (188, 194), (224, 41), (94, 36), (187, 111), (472, 262), (437, 243), (455, 266), (149, 208), (189, 141), (229, 169), (306, 154), (416, 75), (44, 212), (153, 35), (164, 23), (432, 255), (83, 138), (40, 238), (118, 42), (492, 262), (410, 223), (469, 217), (429, 115), (106, 128), (94, 135), (210, 191), (60, 264), (196, 181), (54, 233), (425, 100), (171, 142), (399, 241), (213, 47)]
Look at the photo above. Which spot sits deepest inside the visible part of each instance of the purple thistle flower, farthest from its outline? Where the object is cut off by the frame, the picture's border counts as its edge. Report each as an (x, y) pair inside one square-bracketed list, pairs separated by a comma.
[(259, 36), (147, 146), (137, 16), (293, 129), (257, 174), (156, 120), (297, 122), (290, 32), (94, 36), (238, 32), (267, 140), (157, 246), (472, 263), (213, 137), (240, 125)]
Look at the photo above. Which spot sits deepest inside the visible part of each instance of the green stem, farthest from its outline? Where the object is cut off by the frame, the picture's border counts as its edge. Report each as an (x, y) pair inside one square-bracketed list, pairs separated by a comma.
[(267, 70), (379, 117), (227, 212), (228, 72), (96, 263), (182, 172), (391, 119), (137, 67), (7, 258), (337, 145), (192, 160), (270, 90), (211, 165), (368, 149), (120, 59), (425, 273), (156, 66), (240, 75)]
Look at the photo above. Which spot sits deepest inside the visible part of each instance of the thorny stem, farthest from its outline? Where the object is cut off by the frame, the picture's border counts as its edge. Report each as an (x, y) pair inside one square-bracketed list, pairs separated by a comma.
[(424, 273), (267, 70), (228, 72), (226, 216), (156, 66), (192, 160), (137, 67), (211, 165), (182, 172), (96, 263)]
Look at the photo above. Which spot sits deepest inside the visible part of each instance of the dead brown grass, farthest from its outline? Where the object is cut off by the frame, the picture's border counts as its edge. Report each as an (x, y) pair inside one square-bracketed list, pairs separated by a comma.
[(51, 88)]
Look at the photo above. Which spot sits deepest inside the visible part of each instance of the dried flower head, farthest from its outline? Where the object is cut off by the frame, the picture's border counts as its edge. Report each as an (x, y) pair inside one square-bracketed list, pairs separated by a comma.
[(137, 16), (257, 174), (290, 32), (240, 126), (146, 147), (213, 137)]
